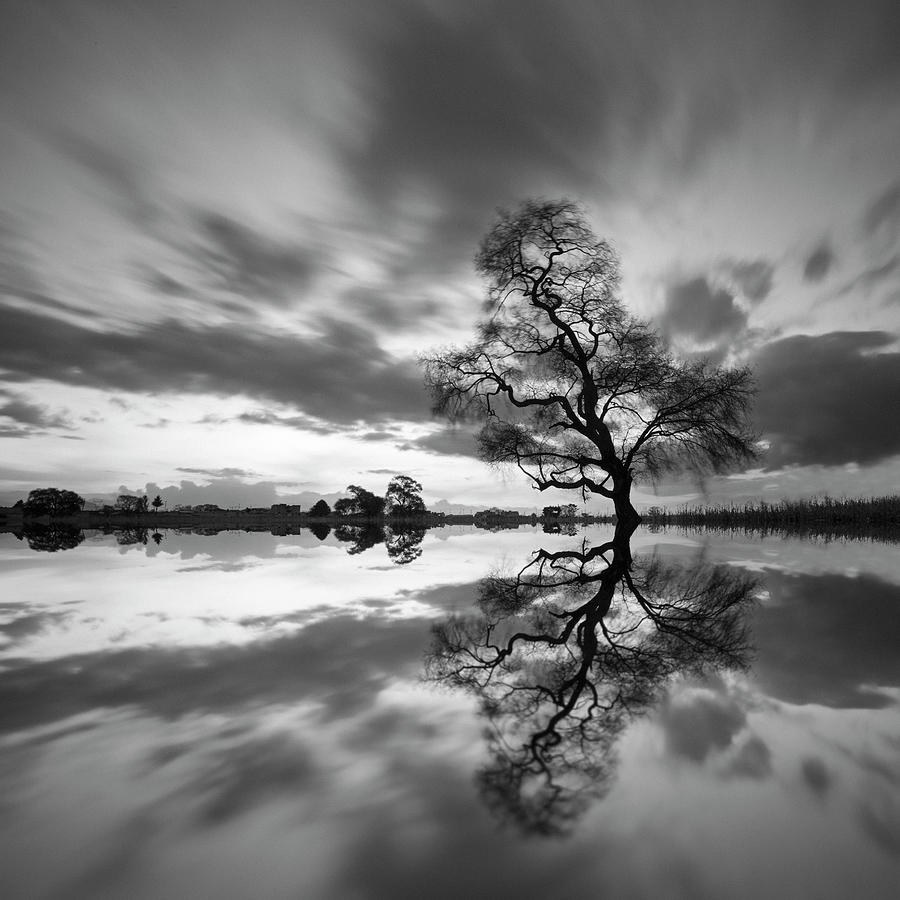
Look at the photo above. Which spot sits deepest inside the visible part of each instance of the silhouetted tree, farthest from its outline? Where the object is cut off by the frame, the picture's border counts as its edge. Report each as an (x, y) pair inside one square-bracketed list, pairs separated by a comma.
[(570, 387), (403, 496), (157, 503), (52, 502), (567, 651), (320, 530), (360, 503), (157, 538), (319, 510)]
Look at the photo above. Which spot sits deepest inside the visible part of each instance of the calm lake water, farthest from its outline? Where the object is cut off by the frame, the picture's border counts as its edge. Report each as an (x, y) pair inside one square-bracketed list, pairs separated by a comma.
[(248, 715)]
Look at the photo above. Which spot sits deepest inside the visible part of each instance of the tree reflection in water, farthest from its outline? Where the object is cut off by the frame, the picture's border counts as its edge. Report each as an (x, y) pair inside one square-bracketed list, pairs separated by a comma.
[(51, 538), (403, 542), (564, 653)]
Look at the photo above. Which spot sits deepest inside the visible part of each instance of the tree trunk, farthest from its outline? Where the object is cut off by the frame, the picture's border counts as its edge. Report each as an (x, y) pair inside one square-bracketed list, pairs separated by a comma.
[(627, 517)]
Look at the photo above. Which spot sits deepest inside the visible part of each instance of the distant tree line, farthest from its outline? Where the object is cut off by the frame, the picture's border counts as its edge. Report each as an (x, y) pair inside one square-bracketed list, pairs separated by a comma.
[(403, 497)]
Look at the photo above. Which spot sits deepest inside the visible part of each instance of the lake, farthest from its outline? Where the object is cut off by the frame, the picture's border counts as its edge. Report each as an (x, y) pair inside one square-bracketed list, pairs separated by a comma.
[(455, 714)]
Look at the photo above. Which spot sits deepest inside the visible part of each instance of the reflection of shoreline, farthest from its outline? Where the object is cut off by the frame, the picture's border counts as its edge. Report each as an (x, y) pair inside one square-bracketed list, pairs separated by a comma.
[(231, 520), (214, 523)]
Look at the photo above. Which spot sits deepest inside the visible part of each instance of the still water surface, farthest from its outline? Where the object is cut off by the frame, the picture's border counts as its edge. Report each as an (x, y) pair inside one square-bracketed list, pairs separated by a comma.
[(247, 715)]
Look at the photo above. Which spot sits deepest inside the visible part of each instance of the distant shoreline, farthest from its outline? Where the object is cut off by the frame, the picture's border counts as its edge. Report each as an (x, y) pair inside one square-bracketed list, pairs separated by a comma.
[(10, 516)]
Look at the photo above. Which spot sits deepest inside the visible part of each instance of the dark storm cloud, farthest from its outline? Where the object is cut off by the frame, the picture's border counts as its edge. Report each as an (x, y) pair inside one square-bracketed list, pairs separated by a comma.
[(830, 399), (340, 375), (696, 310), (819, 263), (754, 278)]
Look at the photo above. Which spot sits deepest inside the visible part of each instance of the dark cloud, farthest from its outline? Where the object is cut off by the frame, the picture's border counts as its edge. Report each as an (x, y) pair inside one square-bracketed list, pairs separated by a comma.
[(701, 724), (251, 772), (816, 775), (340, 375), (696, 310), (120, 173), (301, 422), (873, 276), (32, 417), (245, 262), (447, 442), (811, 648), (478, 107), (830, 399), (378, 436), (472, 107), (342, 663), (884, 212), (819, 263), (754, 278)]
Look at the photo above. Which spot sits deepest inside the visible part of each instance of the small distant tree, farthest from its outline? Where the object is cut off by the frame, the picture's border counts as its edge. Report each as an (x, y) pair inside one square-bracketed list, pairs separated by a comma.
[(157, 503), (52, 502), (319, 510), (360, 503), (403, 496)]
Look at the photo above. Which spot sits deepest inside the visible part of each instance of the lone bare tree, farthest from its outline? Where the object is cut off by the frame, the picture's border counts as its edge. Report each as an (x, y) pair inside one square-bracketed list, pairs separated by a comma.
[(572, 388)]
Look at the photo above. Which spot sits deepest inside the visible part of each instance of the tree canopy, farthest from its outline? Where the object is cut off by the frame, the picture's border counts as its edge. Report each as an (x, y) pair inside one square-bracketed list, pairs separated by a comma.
[(320, 509), (403, 496), (131, 504), (572, 388), (52, 502), (360, 503)]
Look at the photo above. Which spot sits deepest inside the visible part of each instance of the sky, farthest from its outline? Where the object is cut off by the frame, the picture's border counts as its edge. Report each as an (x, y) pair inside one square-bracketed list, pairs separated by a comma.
[(227, 229)]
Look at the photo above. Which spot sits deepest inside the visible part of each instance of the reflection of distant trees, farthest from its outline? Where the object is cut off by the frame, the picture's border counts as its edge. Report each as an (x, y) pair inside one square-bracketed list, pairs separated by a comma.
[(567, 651), (128, 536), (320, 529), (50, 538)]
